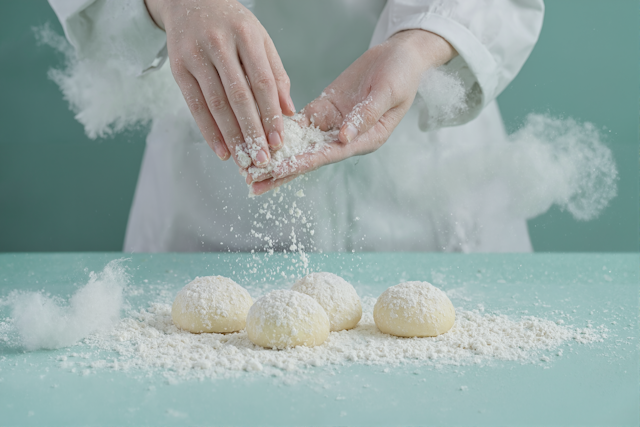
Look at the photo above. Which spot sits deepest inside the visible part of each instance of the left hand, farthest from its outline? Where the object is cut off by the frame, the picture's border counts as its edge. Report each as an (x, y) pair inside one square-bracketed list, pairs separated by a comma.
[(366, 102)]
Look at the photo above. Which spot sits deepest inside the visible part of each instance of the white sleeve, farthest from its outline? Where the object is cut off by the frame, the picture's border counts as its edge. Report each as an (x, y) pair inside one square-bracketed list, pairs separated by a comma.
[(492, 37), (111, 29)]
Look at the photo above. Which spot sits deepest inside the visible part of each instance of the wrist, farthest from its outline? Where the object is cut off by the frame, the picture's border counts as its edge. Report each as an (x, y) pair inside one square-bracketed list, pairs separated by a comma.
[(431, 49), (154, 7)]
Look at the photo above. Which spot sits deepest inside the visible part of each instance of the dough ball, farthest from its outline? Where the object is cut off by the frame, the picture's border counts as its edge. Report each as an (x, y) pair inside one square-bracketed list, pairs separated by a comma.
[(414, 309), (211, 304), (284, 319), (338, 298)]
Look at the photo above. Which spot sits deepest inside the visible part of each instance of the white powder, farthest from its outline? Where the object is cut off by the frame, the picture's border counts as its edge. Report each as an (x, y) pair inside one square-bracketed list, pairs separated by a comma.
[(442, 97), (298, 140), (281, 225), (148, 341), (104, 90), (44, 322), (558, 161), (355, 115)]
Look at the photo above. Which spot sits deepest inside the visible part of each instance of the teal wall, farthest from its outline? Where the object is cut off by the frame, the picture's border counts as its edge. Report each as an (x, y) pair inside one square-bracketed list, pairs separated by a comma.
[(60, 191)]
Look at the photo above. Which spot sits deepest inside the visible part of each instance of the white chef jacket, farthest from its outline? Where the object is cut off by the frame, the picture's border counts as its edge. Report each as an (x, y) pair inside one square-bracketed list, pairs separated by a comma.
[(423, 190)]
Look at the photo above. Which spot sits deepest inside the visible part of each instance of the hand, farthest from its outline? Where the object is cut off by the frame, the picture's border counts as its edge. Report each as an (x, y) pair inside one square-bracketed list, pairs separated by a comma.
[(366, 102), (225, 63)]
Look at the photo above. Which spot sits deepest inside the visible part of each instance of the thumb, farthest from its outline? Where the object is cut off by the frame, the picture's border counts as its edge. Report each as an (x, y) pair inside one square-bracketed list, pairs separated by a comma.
[(363, 116)]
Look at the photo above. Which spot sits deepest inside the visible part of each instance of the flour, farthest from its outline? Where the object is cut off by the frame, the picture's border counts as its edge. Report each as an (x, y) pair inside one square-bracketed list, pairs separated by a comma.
[(147, 342), (442, 98), (45, 322), (298, 140), (282, 225), (355, 116)]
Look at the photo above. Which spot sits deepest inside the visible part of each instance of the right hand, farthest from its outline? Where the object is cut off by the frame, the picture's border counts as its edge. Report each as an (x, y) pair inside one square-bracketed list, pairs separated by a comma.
[(225, 63)]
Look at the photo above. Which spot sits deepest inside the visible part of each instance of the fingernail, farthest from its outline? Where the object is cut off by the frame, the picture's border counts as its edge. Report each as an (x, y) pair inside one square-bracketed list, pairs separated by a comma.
[(350, 132), (220, 153), (291, 106), (262, 158), (274, 140)]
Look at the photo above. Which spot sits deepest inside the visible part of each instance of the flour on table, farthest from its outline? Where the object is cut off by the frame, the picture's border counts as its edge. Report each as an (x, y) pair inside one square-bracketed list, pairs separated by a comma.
[(148, 341)]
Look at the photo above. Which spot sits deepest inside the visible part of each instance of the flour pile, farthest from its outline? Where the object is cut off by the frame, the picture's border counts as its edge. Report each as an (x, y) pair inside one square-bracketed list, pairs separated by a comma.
[(45, 322), (149, 341), (298, 140)]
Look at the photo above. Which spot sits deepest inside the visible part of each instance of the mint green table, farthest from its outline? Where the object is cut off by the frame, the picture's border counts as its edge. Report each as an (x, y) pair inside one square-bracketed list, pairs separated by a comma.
[(594, 385)]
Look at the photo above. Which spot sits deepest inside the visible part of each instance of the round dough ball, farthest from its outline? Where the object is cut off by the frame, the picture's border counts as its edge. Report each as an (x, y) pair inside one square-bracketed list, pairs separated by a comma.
[(338, 298), (414, 309), (284, 319), (211, 304)]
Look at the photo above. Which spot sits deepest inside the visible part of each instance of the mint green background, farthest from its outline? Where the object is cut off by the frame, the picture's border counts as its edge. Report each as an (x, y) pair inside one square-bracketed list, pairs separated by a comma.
[(60, 191), (589, 385)]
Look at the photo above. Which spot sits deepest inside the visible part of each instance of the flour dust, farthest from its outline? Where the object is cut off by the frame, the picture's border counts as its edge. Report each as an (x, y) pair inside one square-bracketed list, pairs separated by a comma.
[(44, 322)]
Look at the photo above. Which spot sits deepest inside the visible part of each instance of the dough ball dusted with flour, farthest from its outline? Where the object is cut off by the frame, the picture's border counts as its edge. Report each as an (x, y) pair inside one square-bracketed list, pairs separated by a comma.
[(284, 319), (414, 309), (211, 304), (338, 298)]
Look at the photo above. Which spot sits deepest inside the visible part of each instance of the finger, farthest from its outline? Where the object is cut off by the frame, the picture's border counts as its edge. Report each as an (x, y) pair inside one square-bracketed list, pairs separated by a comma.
[(376, 135), (243, 106), (200, 112), (323, 113), (364, 115), (219, 107), (265, 91), (259, 188), (257, 177), (282, 79), (218, 145), (302, 164)]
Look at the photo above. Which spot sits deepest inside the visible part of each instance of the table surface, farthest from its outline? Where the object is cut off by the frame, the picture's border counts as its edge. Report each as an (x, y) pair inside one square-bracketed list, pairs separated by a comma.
[(592, 385)]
